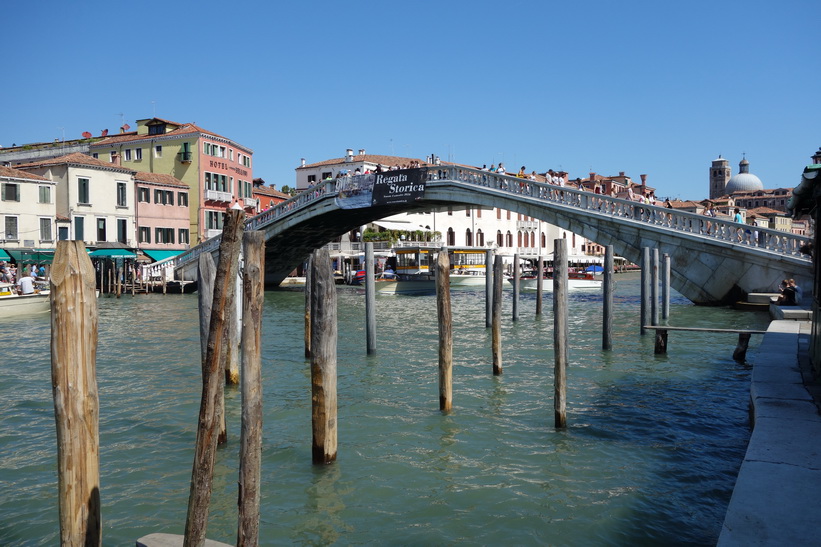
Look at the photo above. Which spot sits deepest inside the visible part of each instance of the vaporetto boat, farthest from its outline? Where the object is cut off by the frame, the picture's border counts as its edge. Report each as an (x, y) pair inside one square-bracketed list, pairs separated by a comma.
[(576, 281)]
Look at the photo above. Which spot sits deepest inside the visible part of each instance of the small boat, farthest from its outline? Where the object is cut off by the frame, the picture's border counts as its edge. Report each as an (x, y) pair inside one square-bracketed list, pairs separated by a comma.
[(576, 280), (13, 305), (414, 272), (467, 267)]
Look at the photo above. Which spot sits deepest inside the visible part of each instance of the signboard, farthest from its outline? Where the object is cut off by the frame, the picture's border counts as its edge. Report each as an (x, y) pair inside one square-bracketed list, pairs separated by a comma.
[(386, 188)]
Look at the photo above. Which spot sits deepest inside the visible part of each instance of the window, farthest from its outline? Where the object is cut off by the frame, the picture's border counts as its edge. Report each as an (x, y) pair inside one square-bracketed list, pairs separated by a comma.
[(101, 229), (11, 228), (498, 214), (480, 238), (145, 234), (122, 199), (500, 240), (138, 154), (11, 192), (164, 235), (231, 154), (83, 190), (158, 196), (158, 151), (327, 175), (508, 215), (112, 156), (127, 154), (143, 195), (158, 129), (168, 197), (311, 179), (62, 233), (79, 228), (183, 232), (467, 212), (122, 225), (45, 194), (213, 220), (182, 199), (45, 229), (246, 161), (206, 148), (95, 155), (244, 189)]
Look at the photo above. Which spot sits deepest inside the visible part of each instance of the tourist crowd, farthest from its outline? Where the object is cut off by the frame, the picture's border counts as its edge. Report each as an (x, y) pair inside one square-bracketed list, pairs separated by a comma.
[(24, 279)]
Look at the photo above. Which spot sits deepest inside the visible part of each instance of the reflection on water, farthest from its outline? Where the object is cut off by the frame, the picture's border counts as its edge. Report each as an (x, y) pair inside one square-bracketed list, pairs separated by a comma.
[(649, 457)]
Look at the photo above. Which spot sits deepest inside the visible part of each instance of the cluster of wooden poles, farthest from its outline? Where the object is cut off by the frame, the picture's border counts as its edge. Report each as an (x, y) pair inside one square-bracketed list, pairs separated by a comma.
[(224, 342)]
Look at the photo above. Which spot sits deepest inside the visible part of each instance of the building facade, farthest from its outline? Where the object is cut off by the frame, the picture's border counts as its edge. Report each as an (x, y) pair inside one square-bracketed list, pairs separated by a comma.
[(217, 170), (163, 218), (96, 197), (27, 210)]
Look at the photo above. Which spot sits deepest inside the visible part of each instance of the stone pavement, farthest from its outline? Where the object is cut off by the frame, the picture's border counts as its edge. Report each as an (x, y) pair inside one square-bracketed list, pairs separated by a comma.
[(776, 494)]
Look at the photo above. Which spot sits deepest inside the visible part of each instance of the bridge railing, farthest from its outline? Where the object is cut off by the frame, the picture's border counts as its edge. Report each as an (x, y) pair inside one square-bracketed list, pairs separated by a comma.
[(784, 243)]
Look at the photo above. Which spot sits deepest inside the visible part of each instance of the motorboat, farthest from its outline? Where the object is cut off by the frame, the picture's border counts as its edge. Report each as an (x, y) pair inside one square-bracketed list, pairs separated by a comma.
[(414, 272), (576, 280), (13, 305), (467, 267)]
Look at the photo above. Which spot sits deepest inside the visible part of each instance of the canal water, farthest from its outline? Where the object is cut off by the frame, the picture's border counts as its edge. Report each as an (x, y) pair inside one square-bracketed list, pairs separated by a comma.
[(649, 457)]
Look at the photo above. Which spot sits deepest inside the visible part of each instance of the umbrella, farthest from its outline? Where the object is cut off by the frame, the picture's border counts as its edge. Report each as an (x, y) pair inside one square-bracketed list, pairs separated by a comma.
[(595, 268)]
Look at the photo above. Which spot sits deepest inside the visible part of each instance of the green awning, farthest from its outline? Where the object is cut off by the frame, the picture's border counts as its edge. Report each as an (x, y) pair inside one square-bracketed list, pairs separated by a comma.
[(157, 255), (112, 253), (31, 256), (4, 256)]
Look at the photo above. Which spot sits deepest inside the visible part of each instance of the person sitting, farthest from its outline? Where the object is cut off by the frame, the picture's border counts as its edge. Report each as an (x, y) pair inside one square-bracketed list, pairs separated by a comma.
[(787, 297), (26, 284), (388, 273)]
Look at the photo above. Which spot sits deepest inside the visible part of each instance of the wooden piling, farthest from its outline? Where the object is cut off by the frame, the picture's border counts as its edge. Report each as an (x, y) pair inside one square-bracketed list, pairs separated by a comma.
[(232, 332), (654, 287), (645, 289), (539, 288), (498, 279), (560, 331), (740, 352), (661, 342), (607, 300), (516, 282), (119, 283), (488, 288), (308, 308), (74, 386), (665, 287), (445, 332), (211, 407), (370, 300), (206, 272), (250, 454), (323, 360)]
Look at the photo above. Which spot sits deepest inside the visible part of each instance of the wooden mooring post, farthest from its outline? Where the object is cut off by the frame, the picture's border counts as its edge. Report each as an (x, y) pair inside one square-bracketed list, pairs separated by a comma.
[(607, 300), (665, 287), (496, 334), (645, 289), (74, 387), (213, 382), (560, 331), (323, 360), (488, 288), (539, 288), (516, 282), (250, 454), (445, 332), (654, 287), (308, 307), (370, 300)]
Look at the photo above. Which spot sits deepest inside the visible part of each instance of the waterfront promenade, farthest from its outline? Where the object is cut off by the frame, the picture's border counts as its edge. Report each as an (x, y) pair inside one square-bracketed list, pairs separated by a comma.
[(773, 502)]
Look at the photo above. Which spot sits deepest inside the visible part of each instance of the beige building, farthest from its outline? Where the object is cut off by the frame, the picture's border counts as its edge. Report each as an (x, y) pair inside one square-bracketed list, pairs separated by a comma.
[(27, 210)]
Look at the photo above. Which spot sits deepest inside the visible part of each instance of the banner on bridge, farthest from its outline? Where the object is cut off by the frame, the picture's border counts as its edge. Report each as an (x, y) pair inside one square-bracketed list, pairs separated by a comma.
[(386, 188)]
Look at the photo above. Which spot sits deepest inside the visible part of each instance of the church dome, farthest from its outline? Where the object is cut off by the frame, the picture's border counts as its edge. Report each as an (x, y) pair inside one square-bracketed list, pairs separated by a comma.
[(744, 181)]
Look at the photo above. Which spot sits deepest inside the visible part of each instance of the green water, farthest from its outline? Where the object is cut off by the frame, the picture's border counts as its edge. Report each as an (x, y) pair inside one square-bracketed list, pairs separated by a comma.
[(649, 457)]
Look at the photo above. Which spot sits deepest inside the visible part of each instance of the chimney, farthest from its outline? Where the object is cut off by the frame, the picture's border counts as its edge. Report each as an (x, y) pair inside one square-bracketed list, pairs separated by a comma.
[(621, 173), (643, 183), (303, 162), (349, 155), (592, 176), (361, 151)]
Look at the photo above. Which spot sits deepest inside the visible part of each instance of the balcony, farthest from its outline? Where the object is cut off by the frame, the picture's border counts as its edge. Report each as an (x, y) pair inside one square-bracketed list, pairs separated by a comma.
[(211, 233), (216, 195), (186, 157), (249, 202)]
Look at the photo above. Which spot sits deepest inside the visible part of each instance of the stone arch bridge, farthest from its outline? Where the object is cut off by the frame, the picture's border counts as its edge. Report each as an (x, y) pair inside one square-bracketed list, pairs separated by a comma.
[(713, 262)]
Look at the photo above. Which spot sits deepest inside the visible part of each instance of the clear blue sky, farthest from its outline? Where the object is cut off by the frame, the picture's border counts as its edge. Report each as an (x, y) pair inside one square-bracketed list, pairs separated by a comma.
[(651, 87)]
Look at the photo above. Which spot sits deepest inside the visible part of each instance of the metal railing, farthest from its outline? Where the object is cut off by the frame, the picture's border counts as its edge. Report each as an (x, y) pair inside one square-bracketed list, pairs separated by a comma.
[(562, 197)]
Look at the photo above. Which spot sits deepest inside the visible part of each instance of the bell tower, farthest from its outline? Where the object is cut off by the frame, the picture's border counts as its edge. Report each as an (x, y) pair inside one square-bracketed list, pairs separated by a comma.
[(719, 176)]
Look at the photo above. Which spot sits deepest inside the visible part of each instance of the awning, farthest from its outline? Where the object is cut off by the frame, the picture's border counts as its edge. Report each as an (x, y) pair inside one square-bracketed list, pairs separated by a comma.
[(31, 256), (4, 256), (112, 253), (158, 255), (393, 225)]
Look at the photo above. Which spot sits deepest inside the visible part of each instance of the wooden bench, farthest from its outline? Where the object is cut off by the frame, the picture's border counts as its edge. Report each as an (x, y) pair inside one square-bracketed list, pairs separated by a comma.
[(739, 354)]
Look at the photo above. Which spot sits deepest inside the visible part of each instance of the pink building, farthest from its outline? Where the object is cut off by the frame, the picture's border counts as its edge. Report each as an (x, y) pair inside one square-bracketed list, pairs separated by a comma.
[(162, 217)]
